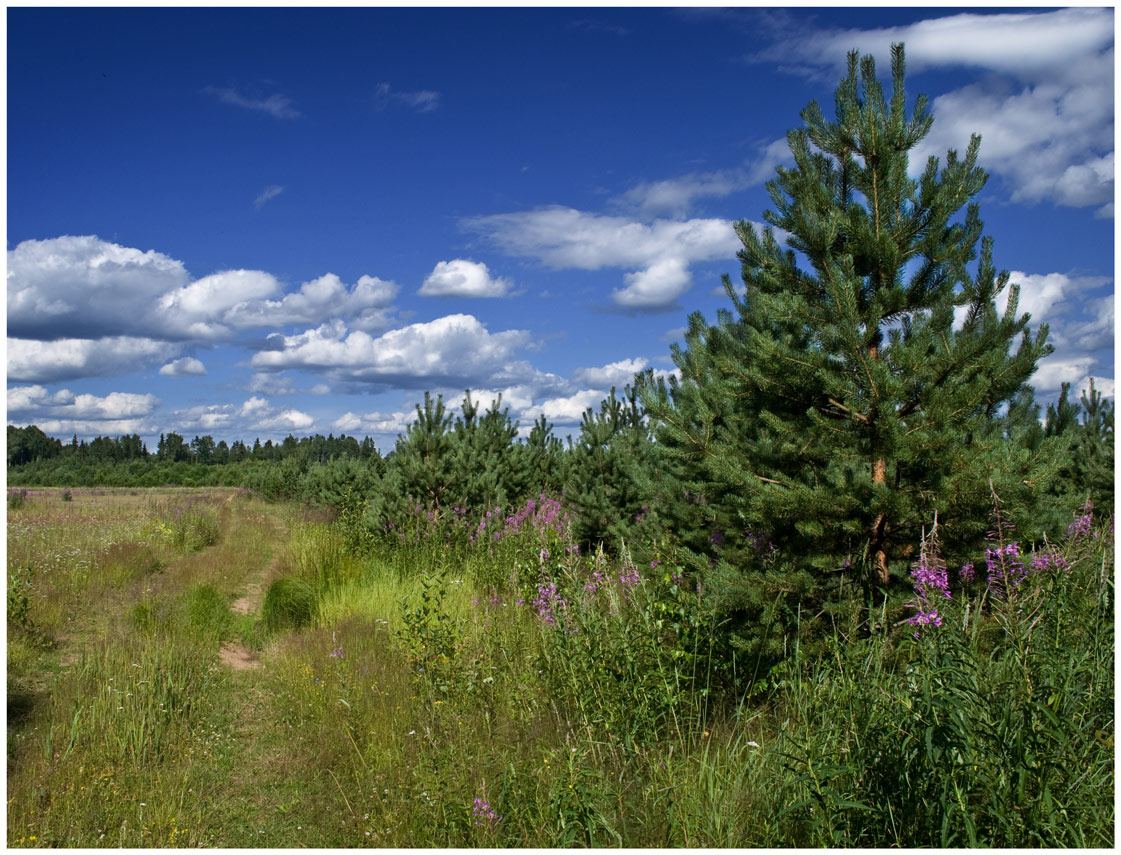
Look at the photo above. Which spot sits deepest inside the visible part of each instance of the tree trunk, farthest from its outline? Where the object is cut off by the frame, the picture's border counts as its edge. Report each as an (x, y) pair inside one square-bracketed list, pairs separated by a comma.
[(876, 536)]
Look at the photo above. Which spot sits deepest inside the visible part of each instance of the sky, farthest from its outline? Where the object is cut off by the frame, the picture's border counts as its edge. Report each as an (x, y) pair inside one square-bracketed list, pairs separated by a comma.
[(259, 222)]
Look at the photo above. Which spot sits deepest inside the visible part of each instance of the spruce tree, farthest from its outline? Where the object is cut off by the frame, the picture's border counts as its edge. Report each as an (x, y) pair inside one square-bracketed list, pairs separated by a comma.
[(862, 381)]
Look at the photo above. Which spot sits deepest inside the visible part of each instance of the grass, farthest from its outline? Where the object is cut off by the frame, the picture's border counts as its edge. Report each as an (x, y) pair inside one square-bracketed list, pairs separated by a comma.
[(421, 700)]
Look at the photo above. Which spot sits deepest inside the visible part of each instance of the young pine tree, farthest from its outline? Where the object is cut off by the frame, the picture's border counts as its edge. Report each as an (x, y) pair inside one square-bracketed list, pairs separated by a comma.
[(488, 467), (609, 470), (861, 384)]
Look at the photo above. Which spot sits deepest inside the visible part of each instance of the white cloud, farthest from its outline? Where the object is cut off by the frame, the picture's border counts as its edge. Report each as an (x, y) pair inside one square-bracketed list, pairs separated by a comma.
[(63, 413), (662, 250), (1045, 110), (1019, 44), (278, 384), (84, 287), (186, 366), (364, 306), (253, 415), (675, 197), (204, 419), (270, 192), (95, 308), (71, 358), (381, 424), (451, 349), (197, 309), (290, 420), (276, 105), (423, 101), (1079, 313), (1055, 370), (567, 410), (617, 374), (462, 278), (658, 285), (675, 334), (1105, 385)]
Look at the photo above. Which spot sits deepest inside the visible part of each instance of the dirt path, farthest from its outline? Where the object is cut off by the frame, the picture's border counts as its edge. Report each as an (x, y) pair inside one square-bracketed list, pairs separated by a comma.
[(235, 653)]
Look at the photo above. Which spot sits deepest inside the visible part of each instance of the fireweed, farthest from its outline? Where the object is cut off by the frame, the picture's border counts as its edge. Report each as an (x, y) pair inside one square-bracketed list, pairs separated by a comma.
[(931, 582)]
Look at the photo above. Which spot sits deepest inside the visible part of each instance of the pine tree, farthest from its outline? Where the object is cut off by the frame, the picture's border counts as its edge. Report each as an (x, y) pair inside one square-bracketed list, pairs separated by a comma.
[(847, 399), (487, 470), (1083, 440), (420, 472), (609, 468), (544, 459)]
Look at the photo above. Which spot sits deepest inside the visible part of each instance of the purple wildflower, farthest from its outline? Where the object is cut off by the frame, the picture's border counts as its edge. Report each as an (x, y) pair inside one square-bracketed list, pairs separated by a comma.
[(1006, 567), (547, 602), (1048, 559), (1081, 525), (966, 573), (931, 582), (484, 814)]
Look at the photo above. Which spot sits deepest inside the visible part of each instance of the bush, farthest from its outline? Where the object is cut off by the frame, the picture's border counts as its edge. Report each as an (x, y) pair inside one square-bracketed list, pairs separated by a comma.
[(208, 613), (289, 604)]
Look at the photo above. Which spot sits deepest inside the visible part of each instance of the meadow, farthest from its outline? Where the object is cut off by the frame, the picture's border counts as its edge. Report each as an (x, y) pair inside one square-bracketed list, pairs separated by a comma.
[(197, 667)]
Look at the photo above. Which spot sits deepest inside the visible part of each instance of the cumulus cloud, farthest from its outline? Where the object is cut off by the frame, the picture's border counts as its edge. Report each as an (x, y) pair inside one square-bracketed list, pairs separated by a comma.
[(1044, 110), (253, 415), (64, 413), (276, 105), (71, 358), (185, 367), (197, 310), (365, 306), (462, 278), (618, 374), (379, 424), (82, 306), (423, 101), (662, 250), (450, 350), (278, 384), (567, 410), (84, 287)]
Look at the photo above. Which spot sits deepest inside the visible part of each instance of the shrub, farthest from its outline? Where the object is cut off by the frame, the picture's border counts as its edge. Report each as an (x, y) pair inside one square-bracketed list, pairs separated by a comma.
[(289, 604), (208, 613)]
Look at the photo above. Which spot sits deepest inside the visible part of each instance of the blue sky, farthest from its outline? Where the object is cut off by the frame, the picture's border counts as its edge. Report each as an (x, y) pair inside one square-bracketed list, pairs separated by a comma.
[(249, 223)]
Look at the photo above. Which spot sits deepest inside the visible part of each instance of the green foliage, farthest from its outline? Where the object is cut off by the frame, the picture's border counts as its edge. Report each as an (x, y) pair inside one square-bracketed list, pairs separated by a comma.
[(289, 604), (208, 613), (431, 636), (1083, 438), (123, 562), (19, 600), (992, 729), (839, 406), (609, 467)]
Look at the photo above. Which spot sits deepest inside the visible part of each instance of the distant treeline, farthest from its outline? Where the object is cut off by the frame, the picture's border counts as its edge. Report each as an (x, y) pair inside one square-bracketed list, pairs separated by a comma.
[(444, 465)]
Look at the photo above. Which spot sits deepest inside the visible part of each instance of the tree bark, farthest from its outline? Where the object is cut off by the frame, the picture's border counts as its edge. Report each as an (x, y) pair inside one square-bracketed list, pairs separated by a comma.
[(876, 536)]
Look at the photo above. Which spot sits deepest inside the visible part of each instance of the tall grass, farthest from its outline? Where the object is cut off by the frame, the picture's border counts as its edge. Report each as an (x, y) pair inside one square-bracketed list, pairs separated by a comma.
[(516, 693)]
